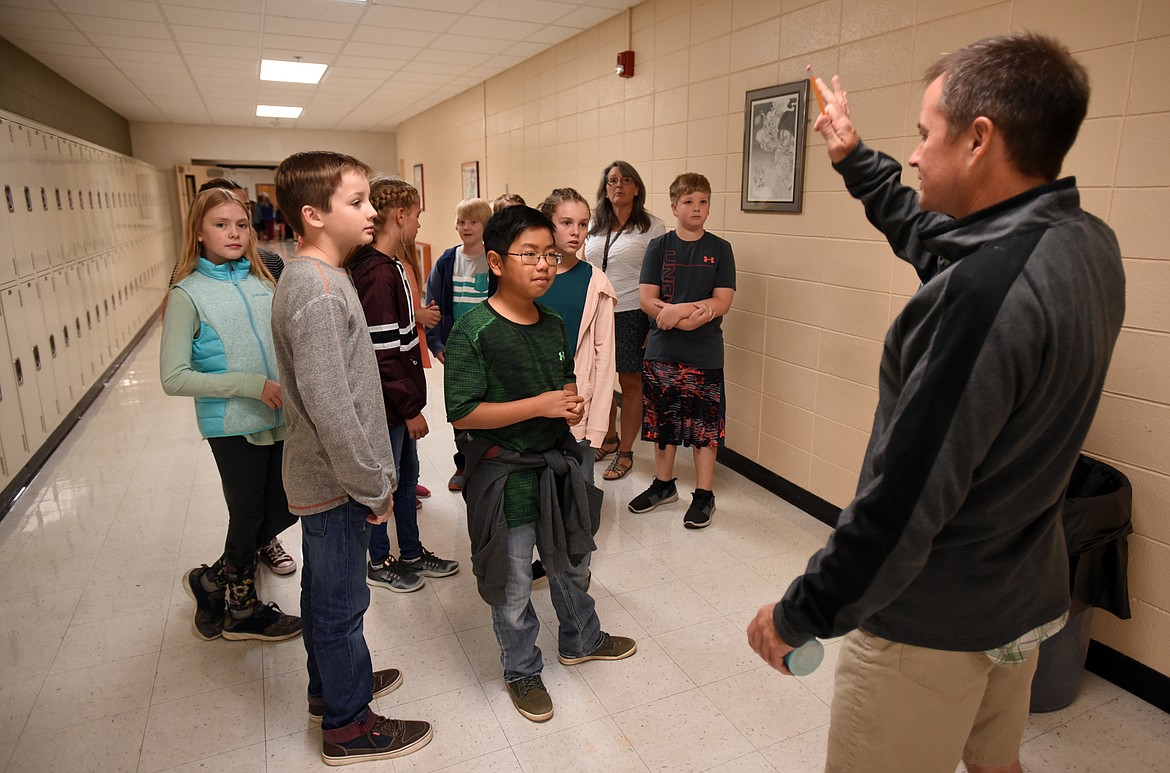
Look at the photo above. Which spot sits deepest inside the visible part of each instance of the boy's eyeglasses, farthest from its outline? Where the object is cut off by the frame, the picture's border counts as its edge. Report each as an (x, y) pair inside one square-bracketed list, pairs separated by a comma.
[(614, 181), (532, 258)]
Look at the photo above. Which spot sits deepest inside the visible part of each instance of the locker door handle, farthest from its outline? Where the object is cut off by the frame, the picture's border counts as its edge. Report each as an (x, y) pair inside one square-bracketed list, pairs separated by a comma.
[(37, 357), (65, 332), (8, 196), (52, 347), (19, 372)]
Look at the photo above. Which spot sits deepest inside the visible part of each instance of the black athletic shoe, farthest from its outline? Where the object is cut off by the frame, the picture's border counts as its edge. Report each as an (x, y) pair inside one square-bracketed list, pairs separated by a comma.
[(266, 623), (659, 493), (210, 606), (699, 513)]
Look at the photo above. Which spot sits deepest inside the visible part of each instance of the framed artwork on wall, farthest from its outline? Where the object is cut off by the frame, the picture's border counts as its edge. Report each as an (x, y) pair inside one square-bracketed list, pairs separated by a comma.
[(774, 125), (470, 172), (418, 184)]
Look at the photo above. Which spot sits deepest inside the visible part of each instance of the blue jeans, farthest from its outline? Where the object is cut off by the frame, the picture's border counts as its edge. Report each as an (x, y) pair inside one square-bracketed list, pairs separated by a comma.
[(334, 598), (405, 451), (515, 622)]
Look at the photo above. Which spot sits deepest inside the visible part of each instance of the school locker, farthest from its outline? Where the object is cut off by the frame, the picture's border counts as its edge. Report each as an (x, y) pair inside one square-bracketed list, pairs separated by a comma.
[(14, 447), (24, 354), (95, 329), (67, 363), (79, 337), (17, 215)]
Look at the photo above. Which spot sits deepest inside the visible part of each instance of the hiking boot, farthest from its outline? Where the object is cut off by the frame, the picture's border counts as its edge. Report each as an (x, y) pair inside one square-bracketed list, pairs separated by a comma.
[(390, 575), (266, 623), (386, 739), (659, 493), (210, 606), (530, 698), (456, 482), (386, 681), (429, 565), (699, 513), (273, 556), (611, 648)]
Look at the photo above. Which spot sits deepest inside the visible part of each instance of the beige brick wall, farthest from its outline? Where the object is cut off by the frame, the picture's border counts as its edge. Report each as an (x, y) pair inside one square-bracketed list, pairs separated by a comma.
[(817, 290)]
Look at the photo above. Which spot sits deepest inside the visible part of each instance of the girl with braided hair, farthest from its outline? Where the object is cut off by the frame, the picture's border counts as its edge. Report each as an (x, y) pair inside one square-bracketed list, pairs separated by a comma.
[(382, 280)]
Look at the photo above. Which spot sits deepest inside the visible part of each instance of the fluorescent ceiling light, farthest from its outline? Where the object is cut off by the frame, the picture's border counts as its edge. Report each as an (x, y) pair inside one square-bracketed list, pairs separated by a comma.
[(291, 72), (278, 111)]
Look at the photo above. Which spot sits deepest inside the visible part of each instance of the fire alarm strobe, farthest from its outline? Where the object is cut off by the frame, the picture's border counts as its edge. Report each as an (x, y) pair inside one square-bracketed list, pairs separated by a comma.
[(625, 64)]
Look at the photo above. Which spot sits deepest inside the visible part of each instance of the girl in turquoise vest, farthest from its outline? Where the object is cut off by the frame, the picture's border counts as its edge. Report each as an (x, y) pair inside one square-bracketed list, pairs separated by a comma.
[(217, 348)]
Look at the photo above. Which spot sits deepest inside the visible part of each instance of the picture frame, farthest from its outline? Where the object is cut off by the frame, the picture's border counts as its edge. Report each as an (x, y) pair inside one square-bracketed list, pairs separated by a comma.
[(469, 172), (775, 123), (418, 184)]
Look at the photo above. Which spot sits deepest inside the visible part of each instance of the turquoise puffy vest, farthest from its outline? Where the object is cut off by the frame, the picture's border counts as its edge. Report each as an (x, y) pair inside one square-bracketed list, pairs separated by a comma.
[(235, 336)]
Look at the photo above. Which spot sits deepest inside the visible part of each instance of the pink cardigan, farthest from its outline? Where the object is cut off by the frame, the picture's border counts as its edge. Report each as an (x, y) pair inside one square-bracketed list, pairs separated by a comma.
[(594, 362)]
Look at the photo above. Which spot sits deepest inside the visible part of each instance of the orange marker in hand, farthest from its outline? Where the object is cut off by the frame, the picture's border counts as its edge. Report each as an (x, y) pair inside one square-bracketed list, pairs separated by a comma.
[(816, 92)]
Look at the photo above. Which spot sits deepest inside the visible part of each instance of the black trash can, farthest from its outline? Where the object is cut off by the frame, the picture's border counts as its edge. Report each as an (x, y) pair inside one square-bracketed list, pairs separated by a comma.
[(1097, 519)]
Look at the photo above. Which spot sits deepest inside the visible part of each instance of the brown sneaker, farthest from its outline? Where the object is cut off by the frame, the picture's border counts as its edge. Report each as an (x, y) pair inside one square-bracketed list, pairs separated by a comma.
[(530, 698), (388, 738), (386, 681), (611, 648)]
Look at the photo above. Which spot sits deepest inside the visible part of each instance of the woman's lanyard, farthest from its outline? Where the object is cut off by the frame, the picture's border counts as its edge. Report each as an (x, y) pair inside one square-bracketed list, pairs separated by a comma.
[(605, 254)]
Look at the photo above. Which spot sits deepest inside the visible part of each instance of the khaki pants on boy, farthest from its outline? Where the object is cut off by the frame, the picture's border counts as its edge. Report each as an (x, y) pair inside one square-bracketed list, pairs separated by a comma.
[(897, 707)]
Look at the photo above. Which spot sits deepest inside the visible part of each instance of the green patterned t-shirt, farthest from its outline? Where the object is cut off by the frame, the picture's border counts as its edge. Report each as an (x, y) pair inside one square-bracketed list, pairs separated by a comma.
[(490, 359)]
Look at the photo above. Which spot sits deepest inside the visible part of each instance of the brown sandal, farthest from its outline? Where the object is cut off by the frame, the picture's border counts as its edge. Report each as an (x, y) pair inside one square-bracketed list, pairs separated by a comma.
[(617, 470), (601, 453)]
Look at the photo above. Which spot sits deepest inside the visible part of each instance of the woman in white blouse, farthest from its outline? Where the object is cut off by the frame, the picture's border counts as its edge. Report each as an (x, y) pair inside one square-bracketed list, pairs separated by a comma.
[(618, 236)]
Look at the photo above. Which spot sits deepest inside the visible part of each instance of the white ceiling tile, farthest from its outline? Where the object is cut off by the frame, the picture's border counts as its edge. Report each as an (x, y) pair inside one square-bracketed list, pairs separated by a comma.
[(131, 43), (504, 29), (189, 47), (453, 6), (117, 9), (161, 69), (317, 10), (237, 6), (38, 48), (126, 27), (553, 34), (385, 17), (394, 54), (406, 77), (229, 37), (587, 16), (26, 17), (281, 25), (462, 59), (197, 17), (543, 11), (526, 49), (367, 51), (71, 37), (137, 58), (309, 49), (451, 42)]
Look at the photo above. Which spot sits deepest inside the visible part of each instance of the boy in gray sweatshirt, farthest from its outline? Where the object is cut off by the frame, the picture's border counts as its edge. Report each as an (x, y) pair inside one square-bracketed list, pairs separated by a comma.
[(338, 467)]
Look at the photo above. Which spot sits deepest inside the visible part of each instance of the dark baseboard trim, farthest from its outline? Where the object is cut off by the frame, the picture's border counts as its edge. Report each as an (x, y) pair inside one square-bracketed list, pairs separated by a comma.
[(1106, 662), (30, 469), (1130, 675), (818, 508)]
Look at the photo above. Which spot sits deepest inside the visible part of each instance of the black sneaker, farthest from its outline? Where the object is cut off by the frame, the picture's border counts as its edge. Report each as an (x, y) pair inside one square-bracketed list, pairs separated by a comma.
[(210, 606), (456, 481), (391, 575), (388, 738), (266, 623), (386, 681), (530, 698), (429, 565), (659, 493), (699, 513)]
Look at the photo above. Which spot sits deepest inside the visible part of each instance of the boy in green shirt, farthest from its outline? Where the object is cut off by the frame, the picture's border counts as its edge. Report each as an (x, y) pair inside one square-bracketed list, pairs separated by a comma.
[(511, 391)]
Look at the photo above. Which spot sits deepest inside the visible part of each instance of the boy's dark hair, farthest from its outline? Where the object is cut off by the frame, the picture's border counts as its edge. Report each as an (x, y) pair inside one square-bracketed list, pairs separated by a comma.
[(1030, 87), (222, 182), (308, 179), (507, 224), (688, 182)]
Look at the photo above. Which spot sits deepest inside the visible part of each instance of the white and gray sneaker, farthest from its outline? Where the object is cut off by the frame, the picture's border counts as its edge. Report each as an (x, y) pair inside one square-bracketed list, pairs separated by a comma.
[(391, 575)]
